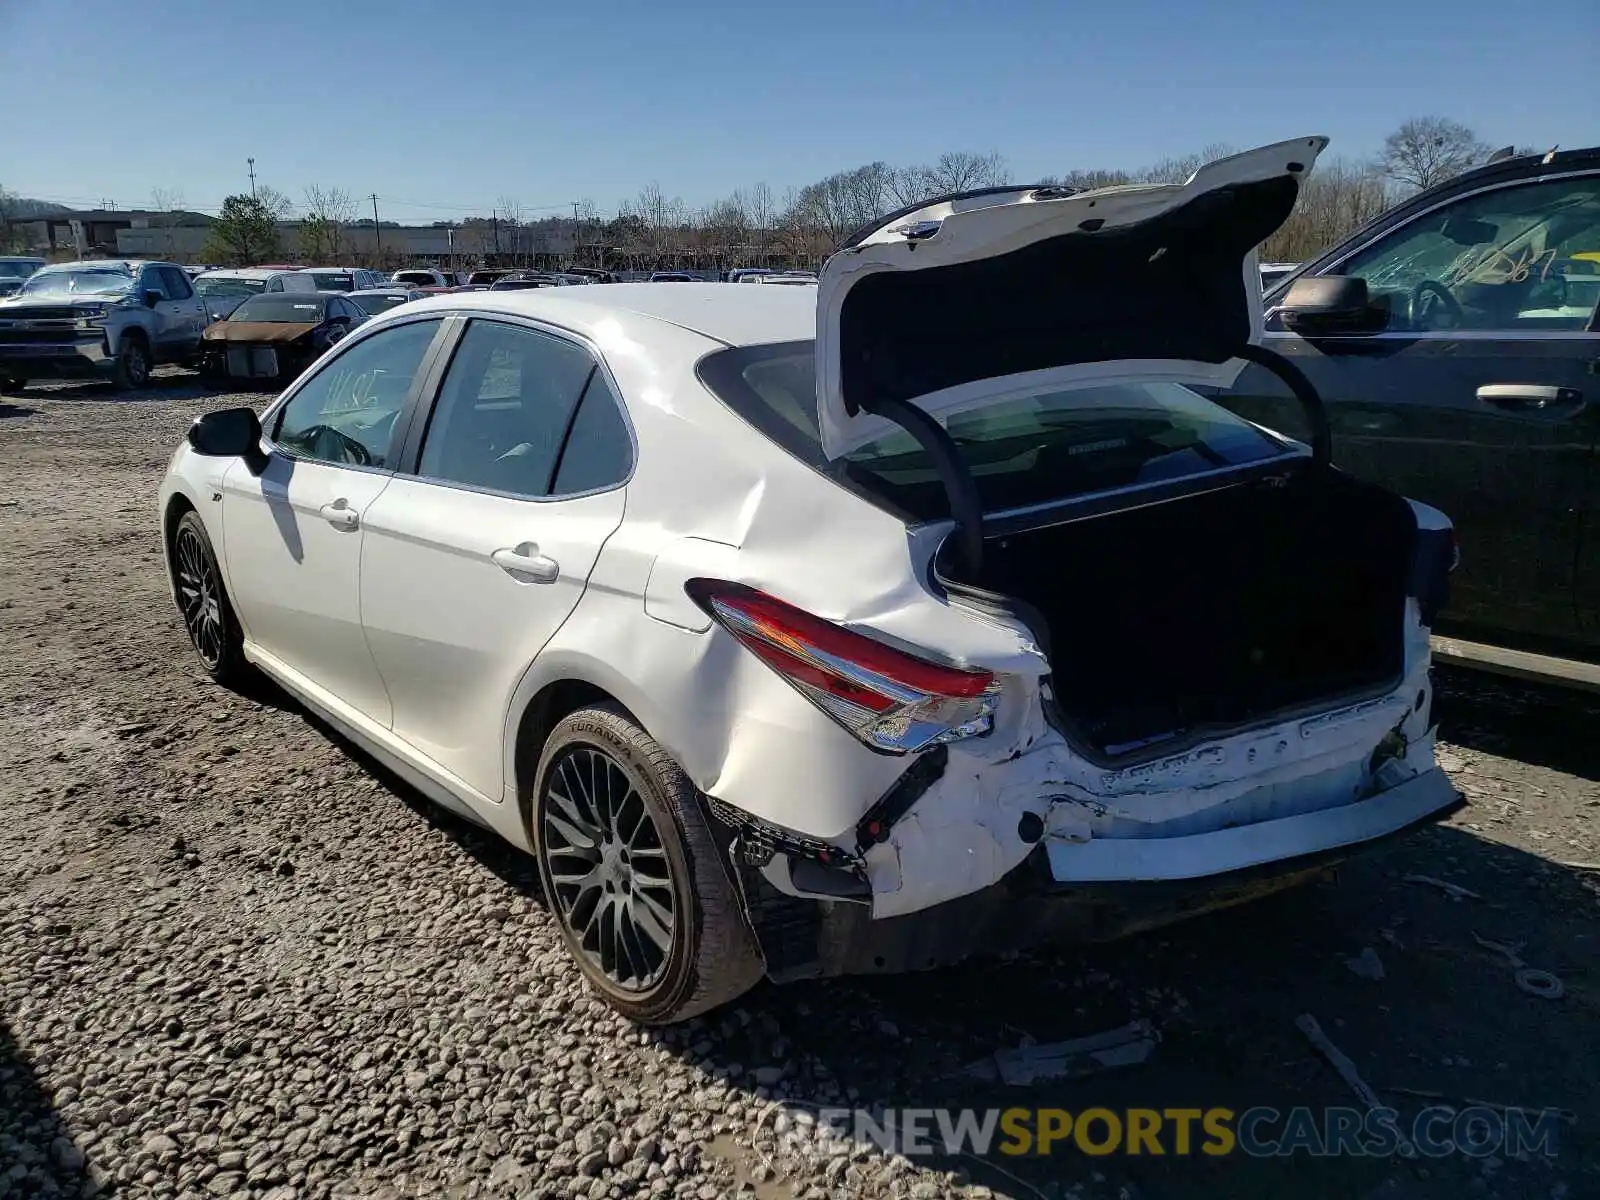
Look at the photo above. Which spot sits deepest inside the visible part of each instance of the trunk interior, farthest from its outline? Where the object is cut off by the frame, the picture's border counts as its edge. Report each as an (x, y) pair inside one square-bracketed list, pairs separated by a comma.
[(1213, 610)]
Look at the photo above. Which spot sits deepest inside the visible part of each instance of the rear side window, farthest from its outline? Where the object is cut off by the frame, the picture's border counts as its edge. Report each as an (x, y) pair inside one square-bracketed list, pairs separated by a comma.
[(504, 409), (599, 452), (1029, 449)]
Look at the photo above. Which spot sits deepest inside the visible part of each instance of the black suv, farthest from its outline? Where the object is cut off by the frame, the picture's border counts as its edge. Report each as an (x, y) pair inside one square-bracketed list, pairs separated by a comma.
[(1455, 344)]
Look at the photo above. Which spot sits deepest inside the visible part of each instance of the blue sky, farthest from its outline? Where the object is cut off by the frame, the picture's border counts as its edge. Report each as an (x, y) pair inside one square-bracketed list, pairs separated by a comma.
[(444, 107)]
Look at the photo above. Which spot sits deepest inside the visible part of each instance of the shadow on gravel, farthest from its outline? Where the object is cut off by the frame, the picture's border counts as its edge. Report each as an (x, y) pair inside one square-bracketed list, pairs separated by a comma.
[(169, 385), (516, 869), (15, 410), (32, 1135), (1533, 723), (1224, 991)]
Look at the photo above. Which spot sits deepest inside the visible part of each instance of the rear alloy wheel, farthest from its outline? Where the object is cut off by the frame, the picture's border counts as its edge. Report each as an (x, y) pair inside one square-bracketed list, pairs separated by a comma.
[(207, 615), (133, 363), (632, 873)]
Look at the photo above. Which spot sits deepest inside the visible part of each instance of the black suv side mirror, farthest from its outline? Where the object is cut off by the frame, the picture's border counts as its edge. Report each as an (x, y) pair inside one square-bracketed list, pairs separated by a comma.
[(1327, 304), (229, 433)]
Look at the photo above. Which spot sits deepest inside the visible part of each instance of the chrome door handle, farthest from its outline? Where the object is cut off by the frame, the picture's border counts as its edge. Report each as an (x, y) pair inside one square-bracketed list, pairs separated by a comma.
[(340, 515), (1529, 397), (524, 562)]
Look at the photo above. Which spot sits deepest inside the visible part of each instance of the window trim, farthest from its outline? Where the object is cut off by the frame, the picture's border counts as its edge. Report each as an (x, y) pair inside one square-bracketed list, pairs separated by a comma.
[(408, 408), (1342, 254), (408, 462)]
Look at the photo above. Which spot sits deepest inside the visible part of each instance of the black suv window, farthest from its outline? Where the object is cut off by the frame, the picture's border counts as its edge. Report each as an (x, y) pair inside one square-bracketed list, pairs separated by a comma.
[(504, 409), (346, 412), (1522, 257)]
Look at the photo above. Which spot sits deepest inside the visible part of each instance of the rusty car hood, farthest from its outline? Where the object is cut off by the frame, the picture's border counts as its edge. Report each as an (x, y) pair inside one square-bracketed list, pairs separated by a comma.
[(259, 331)]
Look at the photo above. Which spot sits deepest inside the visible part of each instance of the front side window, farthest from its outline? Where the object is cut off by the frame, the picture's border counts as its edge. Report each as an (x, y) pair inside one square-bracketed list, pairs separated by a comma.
[(504, 409), (346, 412), (177, 283), (1024, 450), (150, 280), (1524, 257)]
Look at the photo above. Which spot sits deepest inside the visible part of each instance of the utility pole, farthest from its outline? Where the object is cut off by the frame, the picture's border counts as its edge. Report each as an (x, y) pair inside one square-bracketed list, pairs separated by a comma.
[(494, 216), (252, 163), (377, 230)]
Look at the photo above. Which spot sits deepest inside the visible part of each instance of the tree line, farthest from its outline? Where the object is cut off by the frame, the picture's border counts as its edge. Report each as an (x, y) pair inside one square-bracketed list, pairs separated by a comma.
[(756, 226)]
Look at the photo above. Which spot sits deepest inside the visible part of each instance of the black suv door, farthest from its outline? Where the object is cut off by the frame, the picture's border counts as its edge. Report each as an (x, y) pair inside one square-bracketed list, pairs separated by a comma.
[(1476, 388)]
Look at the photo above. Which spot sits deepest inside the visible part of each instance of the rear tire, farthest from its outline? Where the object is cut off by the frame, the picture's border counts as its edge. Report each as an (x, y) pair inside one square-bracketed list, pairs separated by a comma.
[(620, 836), (208, 617), (10, 385), (133, 363)]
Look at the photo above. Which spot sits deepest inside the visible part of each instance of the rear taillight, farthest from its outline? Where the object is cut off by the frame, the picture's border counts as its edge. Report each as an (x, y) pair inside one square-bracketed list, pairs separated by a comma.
[(891, 700)]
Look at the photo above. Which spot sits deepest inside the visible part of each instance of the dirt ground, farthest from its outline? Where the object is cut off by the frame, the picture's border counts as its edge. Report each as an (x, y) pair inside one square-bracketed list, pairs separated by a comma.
[(238, 959)]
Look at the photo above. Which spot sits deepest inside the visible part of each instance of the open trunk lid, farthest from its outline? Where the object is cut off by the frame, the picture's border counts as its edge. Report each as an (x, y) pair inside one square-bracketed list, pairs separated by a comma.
[(966, 299)]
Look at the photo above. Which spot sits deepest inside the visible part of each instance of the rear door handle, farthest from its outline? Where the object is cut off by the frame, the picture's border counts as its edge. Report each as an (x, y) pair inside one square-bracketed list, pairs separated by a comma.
[(340, 515), (1530, 397), (525, 563)]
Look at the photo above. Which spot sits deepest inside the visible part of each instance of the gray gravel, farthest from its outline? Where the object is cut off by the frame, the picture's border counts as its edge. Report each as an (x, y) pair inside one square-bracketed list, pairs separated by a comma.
[(236, 959)]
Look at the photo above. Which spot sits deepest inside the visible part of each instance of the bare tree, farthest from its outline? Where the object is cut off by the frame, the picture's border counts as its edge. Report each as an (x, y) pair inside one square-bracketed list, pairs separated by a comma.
[(1178, 170), (962, 171), (329, 212), (1089, 178), (513, 239), (1428, 150), (762, 210), (165, 205), (1338, 198), (274, 202)]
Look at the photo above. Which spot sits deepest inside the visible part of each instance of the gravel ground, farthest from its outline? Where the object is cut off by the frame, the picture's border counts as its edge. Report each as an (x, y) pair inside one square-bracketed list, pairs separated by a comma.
[(237, 959)]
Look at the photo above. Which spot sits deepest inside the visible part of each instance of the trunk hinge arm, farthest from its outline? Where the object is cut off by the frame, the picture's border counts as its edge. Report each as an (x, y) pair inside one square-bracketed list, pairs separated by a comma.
[(965, 505), (1295, 379)]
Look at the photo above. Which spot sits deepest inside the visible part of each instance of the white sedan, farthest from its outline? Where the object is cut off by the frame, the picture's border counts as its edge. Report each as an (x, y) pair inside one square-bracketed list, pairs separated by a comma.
[(807, 632)]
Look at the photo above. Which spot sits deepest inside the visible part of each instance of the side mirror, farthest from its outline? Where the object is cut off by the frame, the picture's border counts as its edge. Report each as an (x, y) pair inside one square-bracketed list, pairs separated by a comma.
[(1329, 304), (229, 433), (153, 298)]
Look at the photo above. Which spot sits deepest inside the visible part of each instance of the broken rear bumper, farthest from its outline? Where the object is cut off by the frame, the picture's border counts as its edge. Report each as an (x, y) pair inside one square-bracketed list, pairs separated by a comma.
[(1223, 851), (1123, 887)]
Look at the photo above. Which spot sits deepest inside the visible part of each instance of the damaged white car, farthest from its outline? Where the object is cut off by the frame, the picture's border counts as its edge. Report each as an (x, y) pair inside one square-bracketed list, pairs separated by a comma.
[(810, 632)]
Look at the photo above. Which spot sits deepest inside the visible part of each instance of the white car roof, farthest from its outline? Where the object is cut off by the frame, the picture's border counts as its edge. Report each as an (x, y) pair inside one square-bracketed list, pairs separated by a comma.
[(734, 316)]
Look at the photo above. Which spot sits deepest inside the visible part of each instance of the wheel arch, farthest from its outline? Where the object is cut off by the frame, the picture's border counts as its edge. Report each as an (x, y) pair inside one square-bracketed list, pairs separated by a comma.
[(559, 694), (177, 504)]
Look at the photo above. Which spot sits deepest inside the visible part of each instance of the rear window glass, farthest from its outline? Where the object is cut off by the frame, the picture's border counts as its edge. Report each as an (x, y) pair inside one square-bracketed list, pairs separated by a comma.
[(332, 281), (281, 306), (1022, 451)]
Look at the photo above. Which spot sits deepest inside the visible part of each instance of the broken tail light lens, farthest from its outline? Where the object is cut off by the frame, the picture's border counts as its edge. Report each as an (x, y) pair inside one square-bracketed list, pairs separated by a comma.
[(891, 700)]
